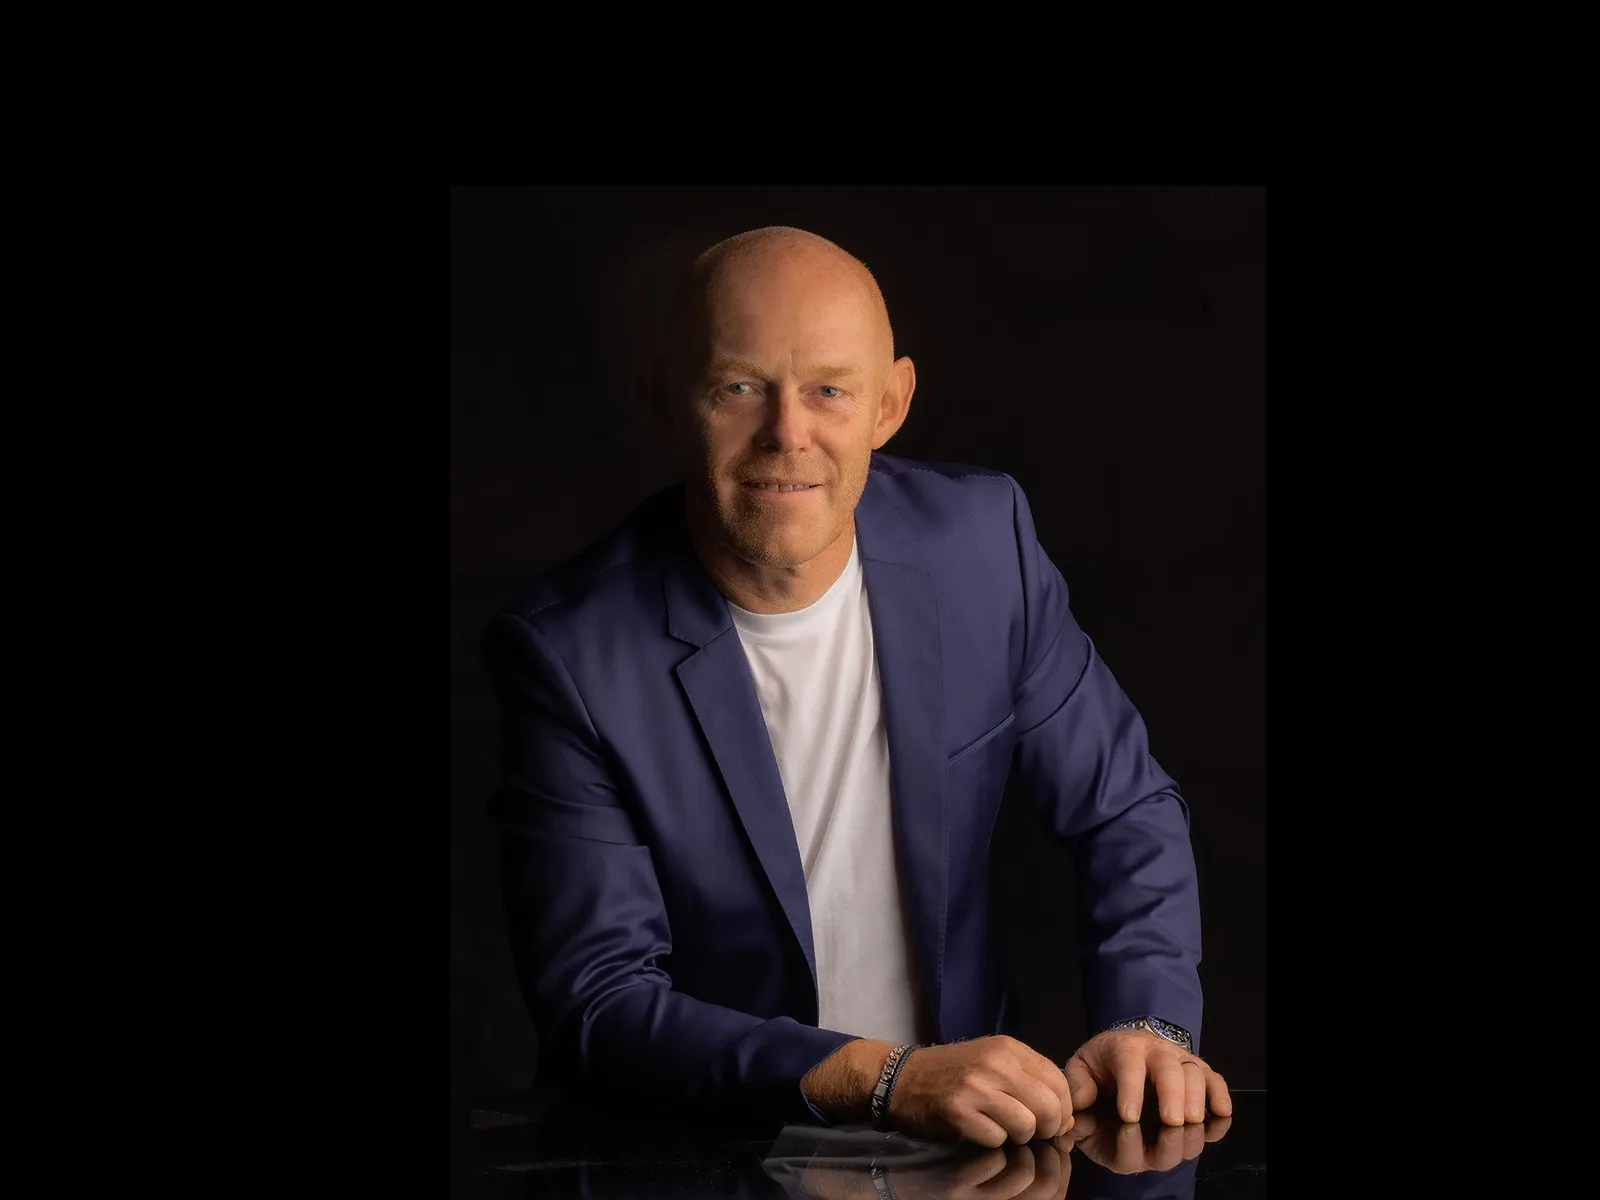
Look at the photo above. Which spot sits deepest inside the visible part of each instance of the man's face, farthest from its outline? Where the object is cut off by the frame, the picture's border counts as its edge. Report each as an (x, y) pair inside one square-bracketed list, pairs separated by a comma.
[(785, 382)]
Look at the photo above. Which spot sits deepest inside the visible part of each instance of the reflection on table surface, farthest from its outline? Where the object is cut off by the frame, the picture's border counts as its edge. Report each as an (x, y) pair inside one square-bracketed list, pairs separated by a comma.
[(511, 1147)]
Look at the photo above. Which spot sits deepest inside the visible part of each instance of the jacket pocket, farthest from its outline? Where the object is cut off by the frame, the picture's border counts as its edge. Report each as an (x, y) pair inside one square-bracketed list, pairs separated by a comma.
[(983, 739)]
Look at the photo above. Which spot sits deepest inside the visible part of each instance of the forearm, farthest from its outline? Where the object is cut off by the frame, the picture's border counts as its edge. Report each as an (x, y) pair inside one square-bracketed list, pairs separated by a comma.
[(1139, 917), (629, 1033), (840, 1086), (1088, 768), (588, 933), (683, 1051)]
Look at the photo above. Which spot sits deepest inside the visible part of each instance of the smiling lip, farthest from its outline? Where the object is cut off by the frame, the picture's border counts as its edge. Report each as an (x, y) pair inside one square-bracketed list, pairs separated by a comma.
[(779, 487)]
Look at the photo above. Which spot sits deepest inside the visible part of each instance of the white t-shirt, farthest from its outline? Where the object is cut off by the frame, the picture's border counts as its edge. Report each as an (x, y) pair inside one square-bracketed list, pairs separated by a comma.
[(816, 675)]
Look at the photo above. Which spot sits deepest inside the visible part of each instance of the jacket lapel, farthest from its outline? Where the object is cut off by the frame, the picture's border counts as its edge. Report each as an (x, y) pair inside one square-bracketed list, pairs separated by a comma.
[(717, 681)]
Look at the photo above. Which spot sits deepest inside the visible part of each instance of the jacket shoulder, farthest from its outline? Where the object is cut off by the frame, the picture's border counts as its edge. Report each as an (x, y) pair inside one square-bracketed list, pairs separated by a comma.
[(948, 497), (912, 472)]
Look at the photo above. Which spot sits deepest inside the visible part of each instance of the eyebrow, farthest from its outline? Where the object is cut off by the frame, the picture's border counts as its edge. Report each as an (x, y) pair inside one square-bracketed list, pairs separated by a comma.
[(740, 366)]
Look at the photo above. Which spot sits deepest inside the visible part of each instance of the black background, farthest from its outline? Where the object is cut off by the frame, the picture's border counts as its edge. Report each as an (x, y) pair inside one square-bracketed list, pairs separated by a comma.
[(1104, 346)]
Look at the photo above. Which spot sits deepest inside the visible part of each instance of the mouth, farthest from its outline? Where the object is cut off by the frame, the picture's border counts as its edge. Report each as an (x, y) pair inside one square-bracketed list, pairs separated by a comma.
[(776, 487)]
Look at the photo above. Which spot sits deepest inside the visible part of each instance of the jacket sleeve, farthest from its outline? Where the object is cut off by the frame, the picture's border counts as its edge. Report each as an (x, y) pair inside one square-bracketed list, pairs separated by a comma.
[(1083, 754), (589, 928)]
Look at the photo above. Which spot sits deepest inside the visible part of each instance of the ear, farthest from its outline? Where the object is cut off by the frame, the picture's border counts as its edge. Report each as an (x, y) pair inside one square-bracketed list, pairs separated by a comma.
[(896, 402)]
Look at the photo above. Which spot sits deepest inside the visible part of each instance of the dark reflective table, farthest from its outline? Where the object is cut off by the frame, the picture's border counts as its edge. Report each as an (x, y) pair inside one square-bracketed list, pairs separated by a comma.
[(525, 1147)]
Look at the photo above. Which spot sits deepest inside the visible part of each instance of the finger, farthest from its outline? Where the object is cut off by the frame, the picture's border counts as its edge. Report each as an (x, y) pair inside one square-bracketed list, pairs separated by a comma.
[(1166, 1074), (1041, 1099), (1011, 1114), (1168, 1150), (1054, 1078), (1080, 1082), (1217, 1093), (1216, 1127), (1194, 1141), (1128, 1072), (979, 1127), (1194, 1091)]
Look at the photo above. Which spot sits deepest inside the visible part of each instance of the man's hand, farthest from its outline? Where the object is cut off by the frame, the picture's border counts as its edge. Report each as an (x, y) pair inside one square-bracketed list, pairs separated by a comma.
[(990, 1090), (1123, 1062)]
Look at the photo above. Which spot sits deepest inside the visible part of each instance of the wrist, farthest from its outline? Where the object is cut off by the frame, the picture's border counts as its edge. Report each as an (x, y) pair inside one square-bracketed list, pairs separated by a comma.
[(1176, 1034), (840, 1086), (888, 1078)]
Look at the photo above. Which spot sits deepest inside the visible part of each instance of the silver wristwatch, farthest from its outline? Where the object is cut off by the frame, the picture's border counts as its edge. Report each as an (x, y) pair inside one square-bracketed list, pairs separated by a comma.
[(1176, 1034)]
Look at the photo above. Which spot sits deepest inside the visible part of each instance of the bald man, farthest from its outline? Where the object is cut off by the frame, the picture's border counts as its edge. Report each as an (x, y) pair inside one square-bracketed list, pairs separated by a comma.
[(754, 741)]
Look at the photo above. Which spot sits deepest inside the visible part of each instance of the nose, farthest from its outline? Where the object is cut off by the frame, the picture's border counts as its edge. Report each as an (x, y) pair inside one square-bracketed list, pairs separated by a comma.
[(787, 425)]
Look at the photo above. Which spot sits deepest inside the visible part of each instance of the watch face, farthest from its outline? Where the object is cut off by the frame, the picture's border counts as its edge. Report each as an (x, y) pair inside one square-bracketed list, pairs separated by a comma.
[(1170, 1031)]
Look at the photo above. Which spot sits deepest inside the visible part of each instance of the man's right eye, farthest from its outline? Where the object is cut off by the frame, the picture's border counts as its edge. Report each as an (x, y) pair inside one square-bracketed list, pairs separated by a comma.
[(732, 386)]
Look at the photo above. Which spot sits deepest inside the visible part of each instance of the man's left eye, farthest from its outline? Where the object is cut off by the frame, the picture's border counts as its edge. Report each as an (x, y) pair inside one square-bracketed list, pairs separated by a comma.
[(829, 391)]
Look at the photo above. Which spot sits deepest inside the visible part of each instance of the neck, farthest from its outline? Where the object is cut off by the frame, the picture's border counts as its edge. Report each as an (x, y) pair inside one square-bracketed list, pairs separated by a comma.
[(765, 589)]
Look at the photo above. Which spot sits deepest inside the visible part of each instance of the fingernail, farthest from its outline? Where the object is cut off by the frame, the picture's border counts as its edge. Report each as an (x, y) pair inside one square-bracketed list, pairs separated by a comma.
[(1130, 1113), (1173, 1117)]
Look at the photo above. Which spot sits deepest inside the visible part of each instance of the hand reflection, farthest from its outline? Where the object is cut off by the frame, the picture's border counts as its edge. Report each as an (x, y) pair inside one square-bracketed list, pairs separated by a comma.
[(1036, 1171), (840, 1165), (1129, 1148)]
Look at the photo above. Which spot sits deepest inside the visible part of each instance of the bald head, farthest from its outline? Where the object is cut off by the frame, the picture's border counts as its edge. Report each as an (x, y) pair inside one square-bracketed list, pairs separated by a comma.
[(779, 381), (777, 262)]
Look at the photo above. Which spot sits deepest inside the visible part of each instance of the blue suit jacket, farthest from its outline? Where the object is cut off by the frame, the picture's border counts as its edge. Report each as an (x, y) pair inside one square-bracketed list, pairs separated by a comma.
[(652, 881)]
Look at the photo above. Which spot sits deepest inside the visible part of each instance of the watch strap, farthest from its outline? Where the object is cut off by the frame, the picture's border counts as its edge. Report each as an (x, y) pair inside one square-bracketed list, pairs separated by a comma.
[(1175, 1034)]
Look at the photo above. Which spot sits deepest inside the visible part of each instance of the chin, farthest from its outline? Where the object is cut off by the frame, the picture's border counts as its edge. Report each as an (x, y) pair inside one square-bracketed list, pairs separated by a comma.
[(775, 552), (768, 548)]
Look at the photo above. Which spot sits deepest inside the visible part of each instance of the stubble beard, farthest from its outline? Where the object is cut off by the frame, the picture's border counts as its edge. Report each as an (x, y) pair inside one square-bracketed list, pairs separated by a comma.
[(773, 540)]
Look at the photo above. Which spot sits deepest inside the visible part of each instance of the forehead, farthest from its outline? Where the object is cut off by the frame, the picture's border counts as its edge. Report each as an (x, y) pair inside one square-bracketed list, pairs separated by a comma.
[(792, 303)]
